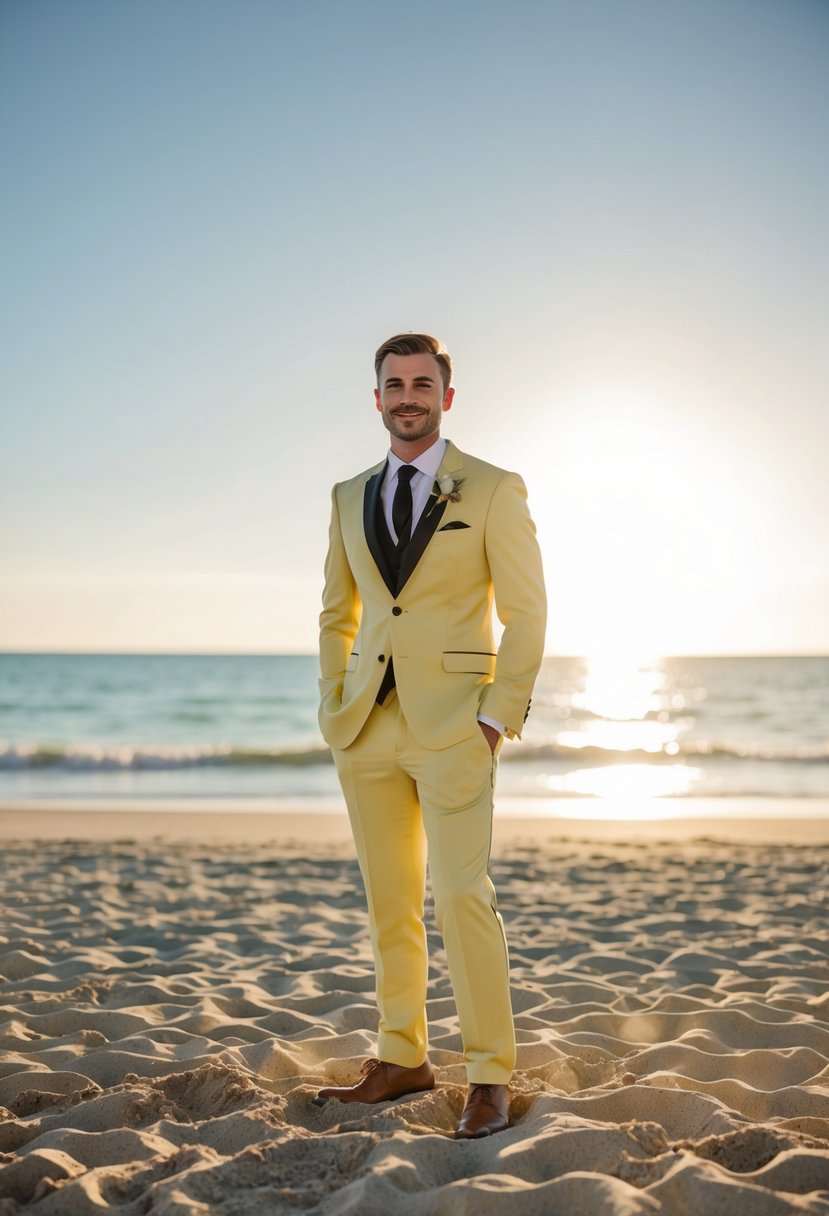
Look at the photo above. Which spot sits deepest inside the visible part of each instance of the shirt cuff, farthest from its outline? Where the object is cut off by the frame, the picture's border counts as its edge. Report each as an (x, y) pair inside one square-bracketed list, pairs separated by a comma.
[(499, 726)]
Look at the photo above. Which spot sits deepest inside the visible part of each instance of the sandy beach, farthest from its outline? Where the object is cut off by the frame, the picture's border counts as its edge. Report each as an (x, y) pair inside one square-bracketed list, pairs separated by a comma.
[(175, 989)]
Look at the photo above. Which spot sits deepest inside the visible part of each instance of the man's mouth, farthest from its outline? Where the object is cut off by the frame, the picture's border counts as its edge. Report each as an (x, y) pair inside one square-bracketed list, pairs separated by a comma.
[(410, 413)]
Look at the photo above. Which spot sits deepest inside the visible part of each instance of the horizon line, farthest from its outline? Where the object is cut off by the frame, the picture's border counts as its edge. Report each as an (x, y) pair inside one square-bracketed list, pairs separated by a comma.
[(312, 654)]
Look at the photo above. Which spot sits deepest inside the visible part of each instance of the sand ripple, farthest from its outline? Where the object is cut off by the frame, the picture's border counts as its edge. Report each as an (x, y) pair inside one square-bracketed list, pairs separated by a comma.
[(168, 1011)]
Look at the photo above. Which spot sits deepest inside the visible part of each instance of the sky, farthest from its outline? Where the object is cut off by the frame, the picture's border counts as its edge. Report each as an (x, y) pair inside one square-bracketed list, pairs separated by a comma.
[(613, 212)]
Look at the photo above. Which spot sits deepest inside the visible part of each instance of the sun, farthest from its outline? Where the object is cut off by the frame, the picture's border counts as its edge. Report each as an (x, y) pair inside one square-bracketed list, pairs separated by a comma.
[(640, 519)]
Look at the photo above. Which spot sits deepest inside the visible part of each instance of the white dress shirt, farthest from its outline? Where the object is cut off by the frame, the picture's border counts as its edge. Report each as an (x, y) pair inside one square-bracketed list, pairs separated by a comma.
[(427, 465)]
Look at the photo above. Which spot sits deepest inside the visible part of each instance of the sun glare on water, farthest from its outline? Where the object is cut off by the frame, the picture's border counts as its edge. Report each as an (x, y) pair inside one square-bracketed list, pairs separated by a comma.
[(624, 709)]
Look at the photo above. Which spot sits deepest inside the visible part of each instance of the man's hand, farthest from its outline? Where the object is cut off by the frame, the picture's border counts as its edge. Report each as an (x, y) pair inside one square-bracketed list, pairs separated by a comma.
[(490, 734)]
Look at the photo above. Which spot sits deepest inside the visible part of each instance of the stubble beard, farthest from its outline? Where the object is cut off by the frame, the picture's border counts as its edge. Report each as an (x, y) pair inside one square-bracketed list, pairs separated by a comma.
[(410, 430)]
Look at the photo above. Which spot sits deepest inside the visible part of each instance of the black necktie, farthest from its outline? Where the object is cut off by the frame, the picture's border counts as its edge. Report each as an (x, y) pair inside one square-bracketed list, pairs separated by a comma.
[(401, 507)]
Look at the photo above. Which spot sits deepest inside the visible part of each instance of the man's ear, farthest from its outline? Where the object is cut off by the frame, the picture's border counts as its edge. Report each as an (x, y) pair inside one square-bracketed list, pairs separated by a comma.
[(377, 400), (449, 397)]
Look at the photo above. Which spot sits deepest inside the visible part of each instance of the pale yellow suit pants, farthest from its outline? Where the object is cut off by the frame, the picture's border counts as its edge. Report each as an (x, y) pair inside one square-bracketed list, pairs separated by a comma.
[(404, 799)]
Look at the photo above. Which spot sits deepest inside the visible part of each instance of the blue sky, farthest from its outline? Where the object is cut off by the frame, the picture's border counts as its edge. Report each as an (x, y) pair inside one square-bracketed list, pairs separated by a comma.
[(614, 213)]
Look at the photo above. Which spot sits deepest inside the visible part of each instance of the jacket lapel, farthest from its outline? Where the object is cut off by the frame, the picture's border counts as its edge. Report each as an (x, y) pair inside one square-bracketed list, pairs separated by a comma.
[(371, 500)]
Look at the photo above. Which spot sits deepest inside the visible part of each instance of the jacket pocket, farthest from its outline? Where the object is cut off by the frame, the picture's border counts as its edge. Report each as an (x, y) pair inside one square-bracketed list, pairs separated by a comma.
[(353, 660), (474, 662)]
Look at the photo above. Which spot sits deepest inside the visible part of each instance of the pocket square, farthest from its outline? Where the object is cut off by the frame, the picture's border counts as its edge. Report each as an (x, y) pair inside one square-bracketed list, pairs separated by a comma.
[(455, 523)]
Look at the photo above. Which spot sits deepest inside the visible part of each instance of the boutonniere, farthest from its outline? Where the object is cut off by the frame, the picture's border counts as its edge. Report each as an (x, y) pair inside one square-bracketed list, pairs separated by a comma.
[(448, 489)]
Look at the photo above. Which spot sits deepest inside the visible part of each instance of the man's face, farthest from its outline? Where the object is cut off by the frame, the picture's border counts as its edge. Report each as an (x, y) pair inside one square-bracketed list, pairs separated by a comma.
[(411, 398)]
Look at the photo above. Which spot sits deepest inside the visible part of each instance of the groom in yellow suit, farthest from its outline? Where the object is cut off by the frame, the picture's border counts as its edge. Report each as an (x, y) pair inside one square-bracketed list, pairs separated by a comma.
[(415, 703)]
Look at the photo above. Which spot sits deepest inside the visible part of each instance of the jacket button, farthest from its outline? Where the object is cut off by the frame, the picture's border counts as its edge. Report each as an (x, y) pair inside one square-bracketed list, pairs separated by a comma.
[(396, 610), (381, 658)]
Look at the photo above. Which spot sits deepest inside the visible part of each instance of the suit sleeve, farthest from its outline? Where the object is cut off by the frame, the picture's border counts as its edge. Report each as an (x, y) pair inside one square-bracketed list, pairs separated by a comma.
[(341, 609), (520, 601)]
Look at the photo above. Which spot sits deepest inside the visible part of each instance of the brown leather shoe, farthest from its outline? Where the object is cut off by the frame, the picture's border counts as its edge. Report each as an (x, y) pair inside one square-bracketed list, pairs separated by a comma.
[(486, 1112), (380, 1082)]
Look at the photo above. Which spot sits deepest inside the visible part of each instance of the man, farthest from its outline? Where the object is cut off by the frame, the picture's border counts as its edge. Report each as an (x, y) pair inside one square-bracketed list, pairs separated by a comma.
[(415, 702)]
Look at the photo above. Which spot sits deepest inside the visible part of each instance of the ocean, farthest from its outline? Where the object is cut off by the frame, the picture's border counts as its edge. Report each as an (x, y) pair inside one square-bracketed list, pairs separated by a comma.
[(150, 728)]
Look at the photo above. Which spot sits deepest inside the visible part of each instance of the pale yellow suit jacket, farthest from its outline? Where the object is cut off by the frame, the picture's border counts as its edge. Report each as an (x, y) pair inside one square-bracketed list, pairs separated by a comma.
[(436, 621)]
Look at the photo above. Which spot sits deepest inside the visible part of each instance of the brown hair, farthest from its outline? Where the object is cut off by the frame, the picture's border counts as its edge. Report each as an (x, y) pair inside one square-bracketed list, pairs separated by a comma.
[(416, 344)]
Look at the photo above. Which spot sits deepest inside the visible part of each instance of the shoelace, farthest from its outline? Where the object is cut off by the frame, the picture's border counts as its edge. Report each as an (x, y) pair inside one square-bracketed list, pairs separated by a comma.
[(369, 1066)]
